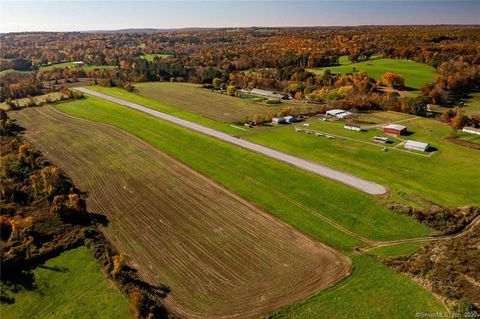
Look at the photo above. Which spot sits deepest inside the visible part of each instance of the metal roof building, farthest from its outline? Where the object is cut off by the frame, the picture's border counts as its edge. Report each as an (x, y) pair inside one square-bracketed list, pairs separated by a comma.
[(394, 129), (417, 146)]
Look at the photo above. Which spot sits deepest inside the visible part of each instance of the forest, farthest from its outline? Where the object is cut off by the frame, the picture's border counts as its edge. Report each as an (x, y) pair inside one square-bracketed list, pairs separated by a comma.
[(272, 58)]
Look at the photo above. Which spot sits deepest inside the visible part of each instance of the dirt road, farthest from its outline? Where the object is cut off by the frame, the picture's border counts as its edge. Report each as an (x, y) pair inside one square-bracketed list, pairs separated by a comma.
[(333, 174)]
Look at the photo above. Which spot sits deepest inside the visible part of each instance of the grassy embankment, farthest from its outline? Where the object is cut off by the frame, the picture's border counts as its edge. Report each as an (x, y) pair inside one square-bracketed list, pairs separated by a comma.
[(295, 197), (68, 286), (415, 74)]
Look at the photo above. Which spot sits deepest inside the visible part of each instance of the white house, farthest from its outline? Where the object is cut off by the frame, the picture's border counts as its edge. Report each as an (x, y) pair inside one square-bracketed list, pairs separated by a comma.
[(417, 146), (339, 114), (471, 130)]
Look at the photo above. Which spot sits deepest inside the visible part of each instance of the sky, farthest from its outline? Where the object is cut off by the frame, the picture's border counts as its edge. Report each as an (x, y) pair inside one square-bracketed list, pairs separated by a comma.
[(84, 15)]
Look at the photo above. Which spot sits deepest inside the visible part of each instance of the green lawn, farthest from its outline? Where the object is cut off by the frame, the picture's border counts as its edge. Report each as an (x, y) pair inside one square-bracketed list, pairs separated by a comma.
[(68, 286), (152, 56), (472, 106), (449, 177), (291, 194), (415, 74), (373, 291), (396, 250)]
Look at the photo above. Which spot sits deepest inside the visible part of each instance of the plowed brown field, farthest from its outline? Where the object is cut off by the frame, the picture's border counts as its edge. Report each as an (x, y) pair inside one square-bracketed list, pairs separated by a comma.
[(221, 256)]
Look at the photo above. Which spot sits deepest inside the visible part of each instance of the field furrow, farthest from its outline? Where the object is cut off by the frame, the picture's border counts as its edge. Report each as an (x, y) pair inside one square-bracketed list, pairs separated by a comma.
[(220, 255)]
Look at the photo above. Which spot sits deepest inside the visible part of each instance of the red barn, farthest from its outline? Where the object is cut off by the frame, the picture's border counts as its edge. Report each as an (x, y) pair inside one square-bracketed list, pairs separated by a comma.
[(394, 129)]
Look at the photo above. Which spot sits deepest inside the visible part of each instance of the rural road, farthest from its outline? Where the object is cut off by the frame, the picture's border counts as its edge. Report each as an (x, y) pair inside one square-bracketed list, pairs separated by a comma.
[(330, 173)]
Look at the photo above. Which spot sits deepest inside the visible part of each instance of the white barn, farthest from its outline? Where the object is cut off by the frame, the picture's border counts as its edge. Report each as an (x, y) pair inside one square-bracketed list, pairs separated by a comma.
[(417, 146), (339, 114)]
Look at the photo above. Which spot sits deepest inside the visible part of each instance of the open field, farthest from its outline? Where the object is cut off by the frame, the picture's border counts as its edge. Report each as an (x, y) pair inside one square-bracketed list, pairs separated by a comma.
[(415, 74), (219, 255), (152, 56), (258, 178), (336, 175), (68, 286), (216, 106), (437, 178), (288, 196), (73, 65), (396, 250), (449, 177), (374, 291)]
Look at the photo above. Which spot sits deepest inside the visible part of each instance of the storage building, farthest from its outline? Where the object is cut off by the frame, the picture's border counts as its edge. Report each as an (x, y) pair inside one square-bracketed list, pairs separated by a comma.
[(417, 146), (471, 130), (395, 129), (339, 114)]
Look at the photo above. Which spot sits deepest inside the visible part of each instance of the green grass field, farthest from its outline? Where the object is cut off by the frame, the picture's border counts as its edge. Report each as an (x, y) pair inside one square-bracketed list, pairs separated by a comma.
[(289, 193), (69, 286), (472, 106), (415, 74), (373, 291), (152, 56), (438, 178), (449, 177), (396, 250), (73, 65)]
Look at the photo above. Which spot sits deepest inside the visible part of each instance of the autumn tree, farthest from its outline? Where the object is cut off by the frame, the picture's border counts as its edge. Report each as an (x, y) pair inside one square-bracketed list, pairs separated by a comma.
[(231, 90), (118, 263), (393, 80)]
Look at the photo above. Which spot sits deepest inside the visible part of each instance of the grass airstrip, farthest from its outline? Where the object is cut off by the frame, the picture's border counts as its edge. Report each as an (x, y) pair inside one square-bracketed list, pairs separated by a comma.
[(415, 74), (296, 197), (68, 286), (447, 177)]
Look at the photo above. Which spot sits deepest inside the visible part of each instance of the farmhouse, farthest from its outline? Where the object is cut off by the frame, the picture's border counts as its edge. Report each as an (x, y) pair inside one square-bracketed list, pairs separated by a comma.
[(352, 127), (471, 130), (380, 139), (339, 114), (417, 146), (269, 94), (394, 129)]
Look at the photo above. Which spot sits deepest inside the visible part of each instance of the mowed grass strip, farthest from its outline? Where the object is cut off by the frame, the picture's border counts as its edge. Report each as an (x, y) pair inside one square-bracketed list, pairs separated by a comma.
[(449, 177), (374, 291), (195, 99), (68, 286), (396, 250), (416, 74), (220, 255), (291, 194)]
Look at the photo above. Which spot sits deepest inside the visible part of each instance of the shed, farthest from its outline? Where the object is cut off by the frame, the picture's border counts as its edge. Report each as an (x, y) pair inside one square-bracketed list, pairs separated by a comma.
[(292, 119), (395, 129), (417, 146), (380, 139), (352, 127), (338, 113)]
